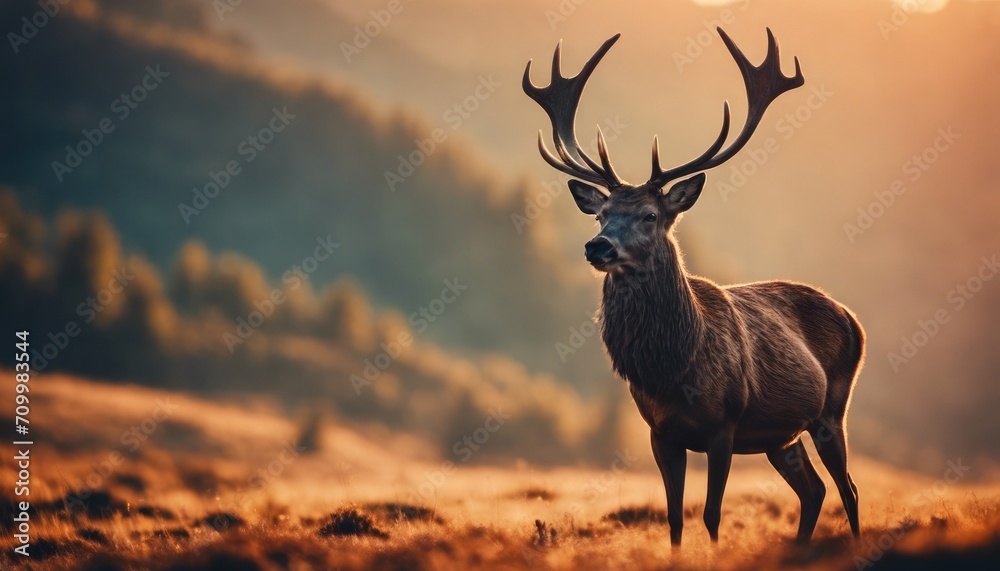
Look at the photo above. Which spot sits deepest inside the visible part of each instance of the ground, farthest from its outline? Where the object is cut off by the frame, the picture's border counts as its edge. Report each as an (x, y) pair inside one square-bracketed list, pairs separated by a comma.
[(125, 477)]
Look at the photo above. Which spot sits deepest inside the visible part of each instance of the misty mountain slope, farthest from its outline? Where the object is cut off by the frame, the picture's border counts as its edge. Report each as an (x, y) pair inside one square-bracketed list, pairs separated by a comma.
[(322, 175), (215, 326)]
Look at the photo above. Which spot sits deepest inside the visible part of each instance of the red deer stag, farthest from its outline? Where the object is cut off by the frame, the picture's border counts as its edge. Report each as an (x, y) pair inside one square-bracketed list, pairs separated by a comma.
[(741, 369)]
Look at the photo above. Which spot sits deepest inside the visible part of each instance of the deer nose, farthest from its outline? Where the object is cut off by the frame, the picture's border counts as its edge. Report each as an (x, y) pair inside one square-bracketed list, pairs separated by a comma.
[(599, 250)]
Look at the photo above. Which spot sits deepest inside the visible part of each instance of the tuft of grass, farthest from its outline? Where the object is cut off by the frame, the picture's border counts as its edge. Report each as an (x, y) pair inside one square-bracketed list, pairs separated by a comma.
[(982, 510), (131, 481), (535, 493), (221, 521), (44, 548), (350, 522), (544, 535), (172, 533), (156, 512), (635, 516), (394, 512), (98, 504), (93, 535)]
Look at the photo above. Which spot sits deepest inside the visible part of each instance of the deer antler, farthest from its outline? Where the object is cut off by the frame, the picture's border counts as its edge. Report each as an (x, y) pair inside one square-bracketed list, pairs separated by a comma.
[(764, 83), (560, 101)]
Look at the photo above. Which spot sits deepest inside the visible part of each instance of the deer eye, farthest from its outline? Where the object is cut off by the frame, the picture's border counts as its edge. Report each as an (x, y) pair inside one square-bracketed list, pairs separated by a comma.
[(651, 217)]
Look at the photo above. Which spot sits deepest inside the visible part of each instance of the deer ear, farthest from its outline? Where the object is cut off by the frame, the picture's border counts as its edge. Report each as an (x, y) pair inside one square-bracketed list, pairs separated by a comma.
[(588, 198), (684, 194)]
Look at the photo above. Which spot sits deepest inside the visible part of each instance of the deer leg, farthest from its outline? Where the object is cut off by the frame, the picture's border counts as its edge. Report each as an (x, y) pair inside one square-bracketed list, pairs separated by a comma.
[(672, 462), (793, 464), (830, 438), (720, 458)]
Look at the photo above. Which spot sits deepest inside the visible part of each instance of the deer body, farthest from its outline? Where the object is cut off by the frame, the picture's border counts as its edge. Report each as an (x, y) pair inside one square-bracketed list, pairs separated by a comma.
[(696, 354), (742, 369)]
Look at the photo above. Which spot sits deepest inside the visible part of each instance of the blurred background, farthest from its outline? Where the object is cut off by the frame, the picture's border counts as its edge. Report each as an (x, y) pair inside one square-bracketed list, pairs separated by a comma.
[(336, 210)]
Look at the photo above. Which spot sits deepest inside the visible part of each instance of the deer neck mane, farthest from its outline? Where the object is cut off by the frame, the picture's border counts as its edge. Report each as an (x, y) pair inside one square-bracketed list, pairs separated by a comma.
[(651, 322)]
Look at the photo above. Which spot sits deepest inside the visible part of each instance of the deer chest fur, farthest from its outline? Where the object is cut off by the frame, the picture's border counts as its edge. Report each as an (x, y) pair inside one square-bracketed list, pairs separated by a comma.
[(680, 372)]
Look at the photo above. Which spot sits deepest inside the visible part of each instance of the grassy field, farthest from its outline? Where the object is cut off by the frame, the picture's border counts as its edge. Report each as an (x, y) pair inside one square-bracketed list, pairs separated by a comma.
[(199, 485)]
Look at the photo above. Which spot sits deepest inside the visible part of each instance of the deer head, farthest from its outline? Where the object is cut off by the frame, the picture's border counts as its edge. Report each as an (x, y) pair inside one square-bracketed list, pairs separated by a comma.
[(635, 218)]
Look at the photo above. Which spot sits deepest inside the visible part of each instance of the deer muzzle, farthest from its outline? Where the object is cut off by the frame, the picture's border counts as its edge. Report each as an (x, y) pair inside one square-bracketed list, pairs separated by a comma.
[(600, 251)]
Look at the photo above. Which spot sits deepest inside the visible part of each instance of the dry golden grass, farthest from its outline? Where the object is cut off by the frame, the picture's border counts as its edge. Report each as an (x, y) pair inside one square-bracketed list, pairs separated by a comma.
[(212, 489)]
